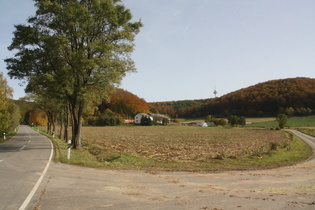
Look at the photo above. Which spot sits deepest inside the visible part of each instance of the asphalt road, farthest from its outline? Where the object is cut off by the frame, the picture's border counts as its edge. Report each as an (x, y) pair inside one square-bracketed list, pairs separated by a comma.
[(22, 163), (72, 187)]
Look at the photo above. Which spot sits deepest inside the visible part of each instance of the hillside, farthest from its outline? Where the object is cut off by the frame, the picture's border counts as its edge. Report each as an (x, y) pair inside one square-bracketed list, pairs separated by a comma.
[(124, 103), (294, 96)]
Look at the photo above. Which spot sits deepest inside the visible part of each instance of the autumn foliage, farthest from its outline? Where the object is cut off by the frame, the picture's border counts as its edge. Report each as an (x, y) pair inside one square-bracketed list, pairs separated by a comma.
[(294, 97), (125, 103), (37, 117)]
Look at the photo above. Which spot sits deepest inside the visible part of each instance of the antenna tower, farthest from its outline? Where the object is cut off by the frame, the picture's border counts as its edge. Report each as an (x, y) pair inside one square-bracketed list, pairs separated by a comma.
[(215, 92)]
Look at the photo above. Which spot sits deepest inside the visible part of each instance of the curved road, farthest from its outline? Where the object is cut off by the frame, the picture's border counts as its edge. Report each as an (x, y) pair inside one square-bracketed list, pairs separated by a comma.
[(22, 162), (72, 187)]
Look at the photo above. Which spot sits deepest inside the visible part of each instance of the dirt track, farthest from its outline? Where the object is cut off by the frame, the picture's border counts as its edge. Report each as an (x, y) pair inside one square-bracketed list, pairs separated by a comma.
[(71, 187)]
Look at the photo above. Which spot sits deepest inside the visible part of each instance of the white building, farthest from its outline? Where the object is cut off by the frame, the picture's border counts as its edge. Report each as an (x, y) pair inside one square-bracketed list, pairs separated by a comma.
[(202, 124), (139, 116), (158, 117)]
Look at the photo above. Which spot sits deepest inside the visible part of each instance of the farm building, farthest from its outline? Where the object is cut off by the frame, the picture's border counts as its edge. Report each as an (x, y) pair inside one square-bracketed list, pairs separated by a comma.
[(202, 124), (157, 117)]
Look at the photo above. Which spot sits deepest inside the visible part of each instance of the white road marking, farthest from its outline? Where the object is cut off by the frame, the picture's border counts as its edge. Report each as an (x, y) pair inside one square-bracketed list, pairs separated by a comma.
[(1, 161), (30, 196), (23, 147)]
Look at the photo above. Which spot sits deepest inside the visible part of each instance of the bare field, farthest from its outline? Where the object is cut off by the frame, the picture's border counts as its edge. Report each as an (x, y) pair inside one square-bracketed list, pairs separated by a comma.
[(183, 143), (184, 148), (261, 119)]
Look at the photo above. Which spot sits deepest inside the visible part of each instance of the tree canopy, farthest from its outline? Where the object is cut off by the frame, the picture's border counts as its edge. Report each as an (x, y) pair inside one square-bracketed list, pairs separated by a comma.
[(9, 112)]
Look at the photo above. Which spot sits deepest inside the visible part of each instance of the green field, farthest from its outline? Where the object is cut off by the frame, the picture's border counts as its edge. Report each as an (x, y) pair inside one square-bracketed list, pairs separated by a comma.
[(184, 148), (308, 121)]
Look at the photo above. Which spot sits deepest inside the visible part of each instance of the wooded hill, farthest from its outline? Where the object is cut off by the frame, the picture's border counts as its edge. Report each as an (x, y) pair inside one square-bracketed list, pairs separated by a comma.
[(293, 96)]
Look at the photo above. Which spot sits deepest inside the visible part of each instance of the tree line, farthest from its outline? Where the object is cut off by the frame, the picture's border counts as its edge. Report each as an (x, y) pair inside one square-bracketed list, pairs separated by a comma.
[(72, 54), (293, 97), (9, 112)]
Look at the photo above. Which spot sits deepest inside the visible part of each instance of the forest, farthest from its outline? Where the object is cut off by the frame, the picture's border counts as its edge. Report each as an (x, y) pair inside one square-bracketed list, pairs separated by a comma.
[(293, 96)]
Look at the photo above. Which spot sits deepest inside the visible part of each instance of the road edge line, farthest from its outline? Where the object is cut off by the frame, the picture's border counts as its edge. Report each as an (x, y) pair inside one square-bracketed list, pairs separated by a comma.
[(30, 196)]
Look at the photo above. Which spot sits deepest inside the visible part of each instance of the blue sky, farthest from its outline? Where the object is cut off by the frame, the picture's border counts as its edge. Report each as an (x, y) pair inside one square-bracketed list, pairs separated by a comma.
[(187, 47)]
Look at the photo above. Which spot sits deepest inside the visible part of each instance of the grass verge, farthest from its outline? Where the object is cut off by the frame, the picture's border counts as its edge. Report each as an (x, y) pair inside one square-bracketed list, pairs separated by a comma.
[(309, 131), (9, 136)]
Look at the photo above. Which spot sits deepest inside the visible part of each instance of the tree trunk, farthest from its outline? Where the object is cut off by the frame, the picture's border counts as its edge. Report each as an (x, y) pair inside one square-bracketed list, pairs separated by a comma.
[(53, 125), (50, 123), (66, 121), (61, 126), (48, 126), (77, 113)]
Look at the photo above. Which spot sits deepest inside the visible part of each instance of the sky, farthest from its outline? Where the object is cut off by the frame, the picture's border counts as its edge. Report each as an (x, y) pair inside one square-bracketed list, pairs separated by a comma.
[(186, 48)]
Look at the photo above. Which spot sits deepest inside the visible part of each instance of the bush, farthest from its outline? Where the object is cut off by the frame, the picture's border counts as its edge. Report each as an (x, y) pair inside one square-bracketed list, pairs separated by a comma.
[(165, 121), (218, 122), (145, 120), (282, 120), (209, 118), (108, 118), (235, 120)]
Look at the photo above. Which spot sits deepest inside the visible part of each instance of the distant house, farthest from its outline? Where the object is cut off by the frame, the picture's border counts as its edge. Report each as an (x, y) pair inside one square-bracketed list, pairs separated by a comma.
[(202, 124), (139, 116), (158, 118)]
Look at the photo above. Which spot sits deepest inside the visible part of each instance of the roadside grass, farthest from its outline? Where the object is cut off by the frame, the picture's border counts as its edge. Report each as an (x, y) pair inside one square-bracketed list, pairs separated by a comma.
[(296, 151), (307, 130), (183, 148), (8, 136)]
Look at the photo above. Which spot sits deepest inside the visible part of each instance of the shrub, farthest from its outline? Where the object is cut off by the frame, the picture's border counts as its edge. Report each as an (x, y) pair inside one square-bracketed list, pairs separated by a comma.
[(108, 118), (218, 122), (209, 118), (235, 120), (145, 120), (282, 120), (166, 121)]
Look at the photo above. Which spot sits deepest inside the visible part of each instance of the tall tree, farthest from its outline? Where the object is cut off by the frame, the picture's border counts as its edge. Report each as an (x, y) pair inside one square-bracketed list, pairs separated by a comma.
[(83, 46), (5, 94)]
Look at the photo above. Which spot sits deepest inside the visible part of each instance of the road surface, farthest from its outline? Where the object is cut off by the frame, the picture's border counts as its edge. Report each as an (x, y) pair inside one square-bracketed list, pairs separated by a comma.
[(22, 162), (72, 187)]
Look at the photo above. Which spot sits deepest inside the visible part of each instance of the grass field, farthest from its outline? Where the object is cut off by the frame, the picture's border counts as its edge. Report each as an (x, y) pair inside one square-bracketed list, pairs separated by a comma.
[(292, 122), (184, 148)]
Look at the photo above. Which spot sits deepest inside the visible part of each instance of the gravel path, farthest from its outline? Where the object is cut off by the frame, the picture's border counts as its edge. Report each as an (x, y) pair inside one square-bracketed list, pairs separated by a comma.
[(72, 187)]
